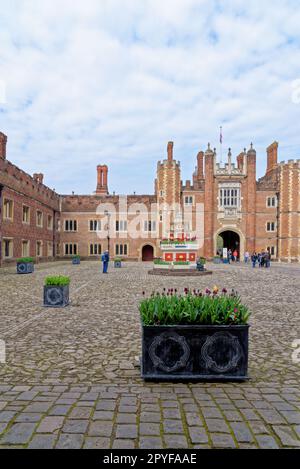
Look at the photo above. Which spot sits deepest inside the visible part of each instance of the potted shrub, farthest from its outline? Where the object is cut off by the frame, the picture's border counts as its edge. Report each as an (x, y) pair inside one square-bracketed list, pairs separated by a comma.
[(75, 260), (161, 264), (181, 265), (25, 265), (56, 291), (194, 335), (118, 263), (201, 261)]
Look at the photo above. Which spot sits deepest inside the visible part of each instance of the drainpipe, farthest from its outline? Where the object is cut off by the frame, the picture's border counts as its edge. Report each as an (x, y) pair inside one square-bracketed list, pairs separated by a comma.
[(277, 222), (1, 221)]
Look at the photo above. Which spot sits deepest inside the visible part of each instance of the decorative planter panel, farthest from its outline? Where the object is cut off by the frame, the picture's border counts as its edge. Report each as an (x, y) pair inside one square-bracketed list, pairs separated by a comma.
[(56, 296), (75, 261), (195, 352), (181, 256), (118, 264), (25, 267), (169, 256)]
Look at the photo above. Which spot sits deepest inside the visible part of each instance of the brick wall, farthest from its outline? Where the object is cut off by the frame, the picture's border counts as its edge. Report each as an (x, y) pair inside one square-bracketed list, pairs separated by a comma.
[(249, 221)]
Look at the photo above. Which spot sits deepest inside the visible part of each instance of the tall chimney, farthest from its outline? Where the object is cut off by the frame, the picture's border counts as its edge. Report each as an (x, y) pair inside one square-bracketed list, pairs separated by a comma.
[(3, 141), (102, 172), (240, 161), (170, 151), (272, 152), (200, 159)]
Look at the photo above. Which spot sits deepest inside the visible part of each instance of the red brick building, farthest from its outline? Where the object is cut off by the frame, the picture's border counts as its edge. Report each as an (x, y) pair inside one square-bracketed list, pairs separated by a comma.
[(222, 206)]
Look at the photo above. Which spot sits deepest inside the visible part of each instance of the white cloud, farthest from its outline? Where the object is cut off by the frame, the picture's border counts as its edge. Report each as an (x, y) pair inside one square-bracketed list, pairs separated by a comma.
[(112, 81)]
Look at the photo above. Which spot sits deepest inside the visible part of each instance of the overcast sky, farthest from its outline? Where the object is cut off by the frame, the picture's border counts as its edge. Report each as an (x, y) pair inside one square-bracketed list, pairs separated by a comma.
[(112, 81)]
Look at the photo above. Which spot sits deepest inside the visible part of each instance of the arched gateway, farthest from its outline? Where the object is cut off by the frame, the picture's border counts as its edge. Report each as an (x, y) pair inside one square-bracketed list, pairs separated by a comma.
[(231, 240), (147, 253)]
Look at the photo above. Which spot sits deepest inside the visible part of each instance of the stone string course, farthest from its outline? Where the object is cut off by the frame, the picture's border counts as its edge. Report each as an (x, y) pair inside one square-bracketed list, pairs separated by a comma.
[(71, 378)]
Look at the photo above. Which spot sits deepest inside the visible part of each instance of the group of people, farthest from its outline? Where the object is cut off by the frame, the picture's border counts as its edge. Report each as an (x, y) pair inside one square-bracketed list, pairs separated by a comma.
[(232, 255), (262, 258)]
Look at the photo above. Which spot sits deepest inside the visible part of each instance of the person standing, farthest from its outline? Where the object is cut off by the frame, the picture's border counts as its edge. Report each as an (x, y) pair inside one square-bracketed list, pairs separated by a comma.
[(254, 259), (268, 259), (105, 260), (235, 255), (229, 255), (247, 255)]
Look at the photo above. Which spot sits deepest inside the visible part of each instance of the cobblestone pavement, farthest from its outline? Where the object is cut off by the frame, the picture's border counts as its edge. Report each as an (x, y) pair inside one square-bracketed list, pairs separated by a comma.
[(71, 377)]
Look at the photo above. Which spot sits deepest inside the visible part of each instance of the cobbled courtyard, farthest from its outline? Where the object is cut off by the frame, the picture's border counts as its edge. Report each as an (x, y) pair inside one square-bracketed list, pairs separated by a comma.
[(72, 378)]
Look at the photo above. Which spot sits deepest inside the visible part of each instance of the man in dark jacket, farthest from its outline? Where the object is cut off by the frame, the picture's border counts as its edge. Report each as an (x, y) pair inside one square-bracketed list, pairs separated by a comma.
[(105, 260)]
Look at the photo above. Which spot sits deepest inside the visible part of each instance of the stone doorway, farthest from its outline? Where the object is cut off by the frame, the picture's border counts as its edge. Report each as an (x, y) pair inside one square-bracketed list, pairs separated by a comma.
[(147, 253), (230, 240)]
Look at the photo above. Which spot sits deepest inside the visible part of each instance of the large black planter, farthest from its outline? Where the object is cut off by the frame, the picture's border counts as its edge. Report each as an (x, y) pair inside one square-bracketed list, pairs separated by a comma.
[(118, 264), (76, 261), (56, 296), (195, 352), (25, 267)]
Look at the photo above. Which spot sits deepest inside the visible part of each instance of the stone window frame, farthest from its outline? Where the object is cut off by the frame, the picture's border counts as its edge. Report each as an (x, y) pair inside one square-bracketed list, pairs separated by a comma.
[(270, 198), (188, 203), (269, 226), (121, 226), (11, 249), (92, 245), (29, 213), (11, 201), (73, 253), (50, 227), (41, 247), (118, 250), (150, 226), (27, 254), (42, 219), (98, 223), (229, 186), (73, 221), (272, 250)]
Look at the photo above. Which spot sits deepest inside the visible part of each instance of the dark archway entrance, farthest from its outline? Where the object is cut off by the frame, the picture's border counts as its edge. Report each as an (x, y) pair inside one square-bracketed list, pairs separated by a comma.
[(229, 240), (147, 253)]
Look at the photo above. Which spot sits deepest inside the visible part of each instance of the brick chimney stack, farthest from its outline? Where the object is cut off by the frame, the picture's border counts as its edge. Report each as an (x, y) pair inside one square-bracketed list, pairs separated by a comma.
[(3, 142), (200, 160), (102, 187), (272, 152), (170, 151), (240, 160), (38, 177)]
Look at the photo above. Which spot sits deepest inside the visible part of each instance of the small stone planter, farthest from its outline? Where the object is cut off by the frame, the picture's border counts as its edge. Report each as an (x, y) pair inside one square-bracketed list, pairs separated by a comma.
[(56, 296), (25, 267), (217, 260), (218, 353), (76, 261), (118, 264)]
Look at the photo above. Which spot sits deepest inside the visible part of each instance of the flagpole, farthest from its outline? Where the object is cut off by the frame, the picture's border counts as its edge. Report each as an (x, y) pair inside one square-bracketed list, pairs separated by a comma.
[(221, 141)]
